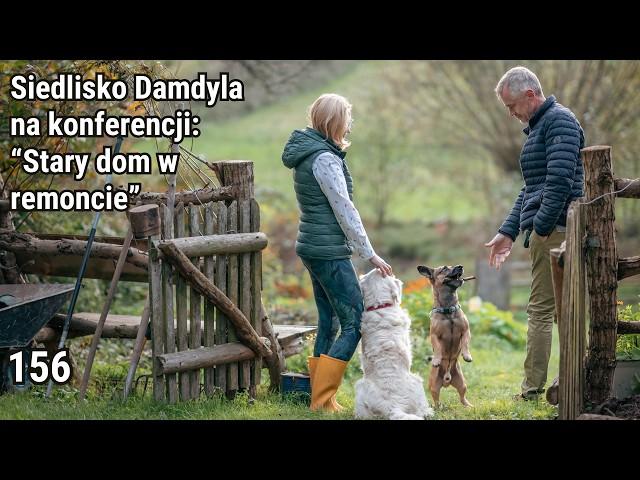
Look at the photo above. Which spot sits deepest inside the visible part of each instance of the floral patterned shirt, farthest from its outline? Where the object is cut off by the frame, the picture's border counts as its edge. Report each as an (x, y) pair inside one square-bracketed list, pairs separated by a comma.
[(327, 169)]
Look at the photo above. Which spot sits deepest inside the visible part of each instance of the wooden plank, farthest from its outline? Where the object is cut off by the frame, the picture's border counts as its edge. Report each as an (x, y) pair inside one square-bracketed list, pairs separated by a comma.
[(157, 325), (244, 225), (209, 310), (288, 333), (195, 303), (181, 306), (256, 296), (221, 282), (572, 318), (167, 286), (232, 285)]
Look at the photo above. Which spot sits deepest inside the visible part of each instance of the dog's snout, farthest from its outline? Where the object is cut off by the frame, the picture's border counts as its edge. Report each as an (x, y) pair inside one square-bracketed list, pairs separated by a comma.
[(458, 270)]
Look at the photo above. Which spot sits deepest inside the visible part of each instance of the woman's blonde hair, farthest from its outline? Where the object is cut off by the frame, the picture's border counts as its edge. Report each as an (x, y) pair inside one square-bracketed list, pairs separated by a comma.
[(330, 114)]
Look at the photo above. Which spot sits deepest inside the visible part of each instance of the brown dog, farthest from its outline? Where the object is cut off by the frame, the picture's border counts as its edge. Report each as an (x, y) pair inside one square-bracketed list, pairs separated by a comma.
[(450, 333)]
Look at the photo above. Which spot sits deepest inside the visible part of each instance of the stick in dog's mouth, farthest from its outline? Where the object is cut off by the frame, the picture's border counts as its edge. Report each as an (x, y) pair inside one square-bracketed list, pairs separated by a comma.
[(472, 277)]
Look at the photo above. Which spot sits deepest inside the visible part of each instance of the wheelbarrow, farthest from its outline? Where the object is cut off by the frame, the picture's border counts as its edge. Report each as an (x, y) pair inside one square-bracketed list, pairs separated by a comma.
[(24, 310)]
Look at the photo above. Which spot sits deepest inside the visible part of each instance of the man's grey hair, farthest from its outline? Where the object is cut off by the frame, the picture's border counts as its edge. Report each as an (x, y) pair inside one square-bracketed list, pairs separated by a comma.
[(518, 80)]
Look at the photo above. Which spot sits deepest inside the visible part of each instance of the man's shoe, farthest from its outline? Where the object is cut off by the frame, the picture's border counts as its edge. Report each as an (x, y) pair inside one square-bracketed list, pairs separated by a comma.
[(522, 397)]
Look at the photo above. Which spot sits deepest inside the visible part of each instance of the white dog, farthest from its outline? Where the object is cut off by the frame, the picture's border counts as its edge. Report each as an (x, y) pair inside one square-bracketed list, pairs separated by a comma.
[(388, 389)]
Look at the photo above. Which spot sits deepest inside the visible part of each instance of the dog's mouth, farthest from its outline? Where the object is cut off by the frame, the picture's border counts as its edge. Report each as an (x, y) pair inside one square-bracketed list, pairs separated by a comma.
[(454, 278)]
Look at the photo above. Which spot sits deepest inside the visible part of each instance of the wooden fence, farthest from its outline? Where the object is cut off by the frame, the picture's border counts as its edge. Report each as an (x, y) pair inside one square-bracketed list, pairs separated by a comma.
[(590, 271)]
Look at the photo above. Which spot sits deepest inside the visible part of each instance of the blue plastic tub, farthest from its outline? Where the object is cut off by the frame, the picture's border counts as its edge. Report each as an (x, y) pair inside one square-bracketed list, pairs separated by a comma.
[(296, 386)]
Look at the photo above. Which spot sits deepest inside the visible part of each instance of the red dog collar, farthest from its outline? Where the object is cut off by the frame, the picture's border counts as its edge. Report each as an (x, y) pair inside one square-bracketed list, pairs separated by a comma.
[(370, 309)]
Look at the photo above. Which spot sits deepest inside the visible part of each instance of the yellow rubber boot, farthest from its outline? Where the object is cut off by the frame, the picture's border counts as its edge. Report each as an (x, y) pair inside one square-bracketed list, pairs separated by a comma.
[(312, 362), (327, 378)]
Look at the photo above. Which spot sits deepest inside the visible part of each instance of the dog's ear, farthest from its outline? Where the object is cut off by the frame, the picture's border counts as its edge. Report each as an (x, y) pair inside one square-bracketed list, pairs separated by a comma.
[(396, 291), (426, 271)]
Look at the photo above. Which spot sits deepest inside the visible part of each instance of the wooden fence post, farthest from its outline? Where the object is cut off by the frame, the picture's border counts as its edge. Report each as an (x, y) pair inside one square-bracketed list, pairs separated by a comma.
[(602, 266), (571, 319)]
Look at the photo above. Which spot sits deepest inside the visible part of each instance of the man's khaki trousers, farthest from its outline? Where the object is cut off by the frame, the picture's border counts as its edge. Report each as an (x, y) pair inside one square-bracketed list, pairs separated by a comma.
[(540, 311)]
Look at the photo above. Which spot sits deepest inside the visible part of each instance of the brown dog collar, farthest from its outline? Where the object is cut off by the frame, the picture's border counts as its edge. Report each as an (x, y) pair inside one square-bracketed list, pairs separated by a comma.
[(370, 309)]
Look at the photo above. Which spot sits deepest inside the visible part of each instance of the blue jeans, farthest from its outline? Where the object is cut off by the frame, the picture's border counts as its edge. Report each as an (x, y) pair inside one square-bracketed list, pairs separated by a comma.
[(339, 301)]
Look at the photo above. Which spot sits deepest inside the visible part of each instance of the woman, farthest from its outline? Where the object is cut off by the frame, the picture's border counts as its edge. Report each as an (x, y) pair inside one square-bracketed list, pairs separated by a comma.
[(330, 228)]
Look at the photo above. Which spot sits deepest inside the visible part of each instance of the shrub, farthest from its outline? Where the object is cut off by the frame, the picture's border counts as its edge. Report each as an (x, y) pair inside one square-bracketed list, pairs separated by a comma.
[(484, 318)]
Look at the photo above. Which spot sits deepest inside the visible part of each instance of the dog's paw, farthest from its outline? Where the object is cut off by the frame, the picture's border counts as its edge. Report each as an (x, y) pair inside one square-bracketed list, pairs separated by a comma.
[(435, 362), (467, 357)]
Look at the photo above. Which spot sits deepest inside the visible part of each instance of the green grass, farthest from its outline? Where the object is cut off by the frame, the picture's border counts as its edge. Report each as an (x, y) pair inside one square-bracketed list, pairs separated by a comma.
[(492, 378)]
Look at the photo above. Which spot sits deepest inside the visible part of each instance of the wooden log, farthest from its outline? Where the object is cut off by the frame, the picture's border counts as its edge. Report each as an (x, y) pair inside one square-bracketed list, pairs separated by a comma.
[(29, 244), (221, 281), (145, 220), (245, 301), (195, 304), (204, 357), (625, 328), (630, 191), (68, 266), (203, 195), (602, 266), (84, 323), (628, 267), (181, 307), (209, 309), (197, 280), (202, 246), (50, 337), (140, 244), (276, 361), (167, 293), (47, 335), (238, 174), (233, 380), (103, 315)]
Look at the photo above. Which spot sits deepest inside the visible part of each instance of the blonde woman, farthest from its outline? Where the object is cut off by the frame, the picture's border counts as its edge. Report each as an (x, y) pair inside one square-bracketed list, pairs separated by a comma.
[(330, 229)]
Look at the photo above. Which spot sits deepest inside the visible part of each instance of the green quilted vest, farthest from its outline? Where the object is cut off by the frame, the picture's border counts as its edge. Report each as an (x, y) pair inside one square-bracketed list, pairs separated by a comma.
[(319, 234)]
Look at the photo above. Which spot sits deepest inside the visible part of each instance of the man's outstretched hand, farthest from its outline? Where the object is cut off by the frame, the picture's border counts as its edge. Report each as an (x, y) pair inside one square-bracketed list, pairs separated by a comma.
[(500, 250)]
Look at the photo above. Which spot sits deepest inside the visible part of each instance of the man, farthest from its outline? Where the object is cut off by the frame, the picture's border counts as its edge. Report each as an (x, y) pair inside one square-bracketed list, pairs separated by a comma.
[(553, 178)]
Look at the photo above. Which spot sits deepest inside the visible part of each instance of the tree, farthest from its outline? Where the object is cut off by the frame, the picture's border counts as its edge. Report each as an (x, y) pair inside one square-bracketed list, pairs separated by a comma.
[(385, 153), (457, 98)]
